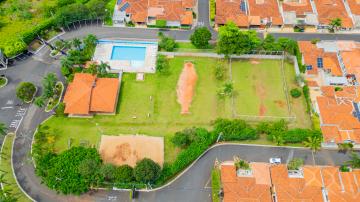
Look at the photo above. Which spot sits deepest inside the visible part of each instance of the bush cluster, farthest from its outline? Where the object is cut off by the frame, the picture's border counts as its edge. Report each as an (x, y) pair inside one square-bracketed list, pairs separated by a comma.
[(166, 43), (235, 130), (295, 93), (25, 91)]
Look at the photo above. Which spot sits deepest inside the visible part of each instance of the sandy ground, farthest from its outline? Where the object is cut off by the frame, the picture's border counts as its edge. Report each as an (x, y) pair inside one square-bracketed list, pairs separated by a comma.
[(128, 149), (255, 62), (186, 87)]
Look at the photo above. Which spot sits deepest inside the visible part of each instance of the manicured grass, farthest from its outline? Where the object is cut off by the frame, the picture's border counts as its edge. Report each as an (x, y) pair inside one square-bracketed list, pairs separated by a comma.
[(150, 107), (5, 165), (2, 81), (188, 47), (215, 184)]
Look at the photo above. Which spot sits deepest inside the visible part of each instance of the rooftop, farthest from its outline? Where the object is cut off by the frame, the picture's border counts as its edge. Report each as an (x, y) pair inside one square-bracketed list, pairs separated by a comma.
[(230, 10), (331, 9), (87, 93), (300, 7), (268, 10)]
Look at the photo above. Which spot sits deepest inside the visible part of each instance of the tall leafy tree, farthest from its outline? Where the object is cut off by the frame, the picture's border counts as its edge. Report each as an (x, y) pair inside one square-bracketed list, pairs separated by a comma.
[(25, 91), (201, 37), (146, 170), (354, 162), (49, 83), (335, 24), (313, 142)]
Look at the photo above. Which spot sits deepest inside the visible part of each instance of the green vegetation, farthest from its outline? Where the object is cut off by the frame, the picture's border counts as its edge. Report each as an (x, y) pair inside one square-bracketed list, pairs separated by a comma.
[(344, 168), (3, 81), (242, 164), (295, 164), (162, 64), (22, 20), (146, 171), (295, 93), (3, 129), (55, 99), (215, 184), (51, 92), (335, 24), (160, 23), (166, 43), (354, 161), (212, 10), (234, 130), (11, 189), (25, 91), (201, 37)]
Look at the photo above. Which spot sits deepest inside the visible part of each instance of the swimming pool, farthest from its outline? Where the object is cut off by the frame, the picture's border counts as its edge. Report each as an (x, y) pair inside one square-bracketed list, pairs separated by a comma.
[(130, 53)]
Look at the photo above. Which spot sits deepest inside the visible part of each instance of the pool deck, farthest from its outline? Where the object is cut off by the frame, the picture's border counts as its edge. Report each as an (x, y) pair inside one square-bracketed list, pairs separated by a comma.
[(104, 49)]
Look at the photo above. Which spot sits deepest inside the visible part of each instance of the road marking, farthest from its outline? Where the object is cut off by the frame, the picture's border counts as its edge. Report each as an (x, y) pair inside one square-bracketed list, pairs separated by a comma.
[(14, 123), (10, 102), (291, 155), (10, 107), (207, 183)]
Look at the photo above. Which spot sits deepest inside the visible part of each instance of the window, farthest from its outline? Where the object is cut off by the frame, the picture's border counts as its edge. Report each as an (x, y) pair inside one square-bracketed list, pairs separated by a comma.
[(320, 62), (309, 67)]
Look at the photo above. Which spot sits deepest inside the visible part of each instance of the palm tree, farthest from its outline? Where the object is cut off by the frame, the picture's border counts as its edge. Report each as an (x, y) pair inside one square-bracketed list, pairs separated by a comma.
[(335, 24), (278, 139), (102, 68), (354, 161), (90, 40), (65, 62), (3, 129), (76, 42), (228, 89), (313, 142)]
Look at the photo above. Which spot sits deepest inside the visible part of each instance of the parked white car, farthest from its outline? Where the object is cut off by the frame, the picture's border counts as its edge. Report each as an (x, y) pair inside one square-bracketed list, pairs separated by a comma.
[(275, 160)]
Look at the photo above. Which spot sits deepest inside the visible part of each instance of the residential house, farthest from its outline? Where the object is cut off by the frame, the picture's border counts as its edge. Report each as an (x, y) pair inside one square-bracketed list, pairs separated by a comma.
[(87, 95), (277, 183), (299, 13), (267, 10), (176, 13), (328, 10), (353, 9)]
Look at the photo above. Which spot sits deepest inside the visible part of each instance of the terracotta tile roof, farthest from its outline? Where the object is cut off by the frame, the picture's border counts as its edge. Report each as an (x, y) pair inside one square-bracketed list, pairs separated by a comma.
[(310, 53), (187, 19), (104, 94), (138, 10), (300, 7), (249, 188), (88, 94), (351, 60), (311, 83), (307, 188), (354, 6), (331, 63), (266, 9), (336, 113), (341, 186), (330, 9), (229, 10)]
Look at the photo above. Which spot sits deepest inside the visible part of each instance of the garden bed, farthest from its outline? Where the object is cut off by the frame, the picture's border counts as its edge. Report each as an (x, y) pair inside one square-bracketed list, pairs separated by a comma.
[(3, 81), (33, 97), (52, 103)]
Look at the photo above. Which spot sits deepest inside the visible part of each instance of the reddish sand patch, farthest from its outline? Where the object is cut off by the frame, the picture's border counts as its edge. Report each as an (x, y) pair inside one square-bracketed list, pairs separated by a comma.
[(129, 149), (280, 103), (186, 87), (254, 62), (260, 91)]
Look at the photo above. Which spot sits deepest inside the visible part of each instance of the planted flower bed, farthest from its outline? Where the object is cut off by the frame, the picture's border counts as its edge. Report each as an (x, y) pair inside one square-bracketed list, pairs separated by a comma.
[(3, 81), (55, 100)]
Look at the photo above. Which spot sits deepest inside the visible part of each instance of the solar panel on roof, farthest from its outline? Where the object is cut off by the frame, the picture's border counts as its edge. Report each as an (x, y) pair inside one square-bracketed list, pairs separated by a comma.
[(243, 6), (125, 6), (309, 67), (118, 2), (357, 111), (320, 62)]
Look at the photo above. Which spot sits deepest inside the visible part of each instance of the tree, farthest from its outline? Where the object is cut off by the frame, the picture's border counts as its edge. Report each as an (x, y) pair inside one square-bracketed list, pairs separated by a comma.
[(3, 129), (335, 24), (108, 172), (226, 90), (187, 136), (344, 147), (354, 161), (233, 41), (66, 171), (166, 43), (77, 43), (200, 38), (234, 130), (124, 174), (146, 170), (295, 164), (162, 64), (25, 91), (102, 68), (49, 83), (295, 93), (39, 101), (89, 169), (278, 138), (270, 44), (313, 142)]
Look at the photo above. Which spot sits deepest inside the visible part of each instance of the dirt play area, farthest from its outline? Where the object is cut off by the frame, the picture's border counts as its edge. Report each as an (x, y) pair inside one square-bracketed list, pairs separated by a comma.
[(186, 87), (128, 149)]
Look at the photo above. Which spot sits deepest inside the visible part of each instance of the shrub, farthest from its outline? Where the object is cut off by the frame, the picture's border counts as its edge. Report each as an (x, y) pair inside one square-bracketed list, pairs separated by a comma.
[(189, 135), (344, 168), (59, 111), (124, 174), (337, 88), (162, 64), (242, 164), (200, 38), (220, 71), (295, 164), (234, 130), (160, 23), (25, 91), (299, 135), (146, 170), (295, 93), (306, 93), (166, 43), (108, 172)]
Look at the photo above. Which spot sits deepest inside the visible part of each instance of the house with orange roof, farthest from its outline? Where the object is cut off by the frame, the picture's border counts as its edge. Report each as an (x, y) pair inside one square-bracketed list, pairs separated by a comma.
[(148, 12), (353, 8), (338, 109), (268, 12), (298, 13), (328, 10), (87, 95), (239, 185)]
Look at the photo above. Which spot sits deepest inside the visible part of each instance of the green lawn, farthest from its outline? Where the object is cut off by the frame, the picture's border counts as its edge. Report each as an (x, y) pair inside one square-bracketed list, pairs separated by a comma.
[(150, 107), (215, 184), (5, 165), (188, 47)]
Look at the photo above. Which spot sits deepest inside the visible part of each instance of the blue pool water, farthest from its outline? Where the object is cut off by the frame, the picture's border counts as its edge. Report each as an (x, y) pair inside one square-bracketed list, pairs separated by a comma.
[(131, 53)]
